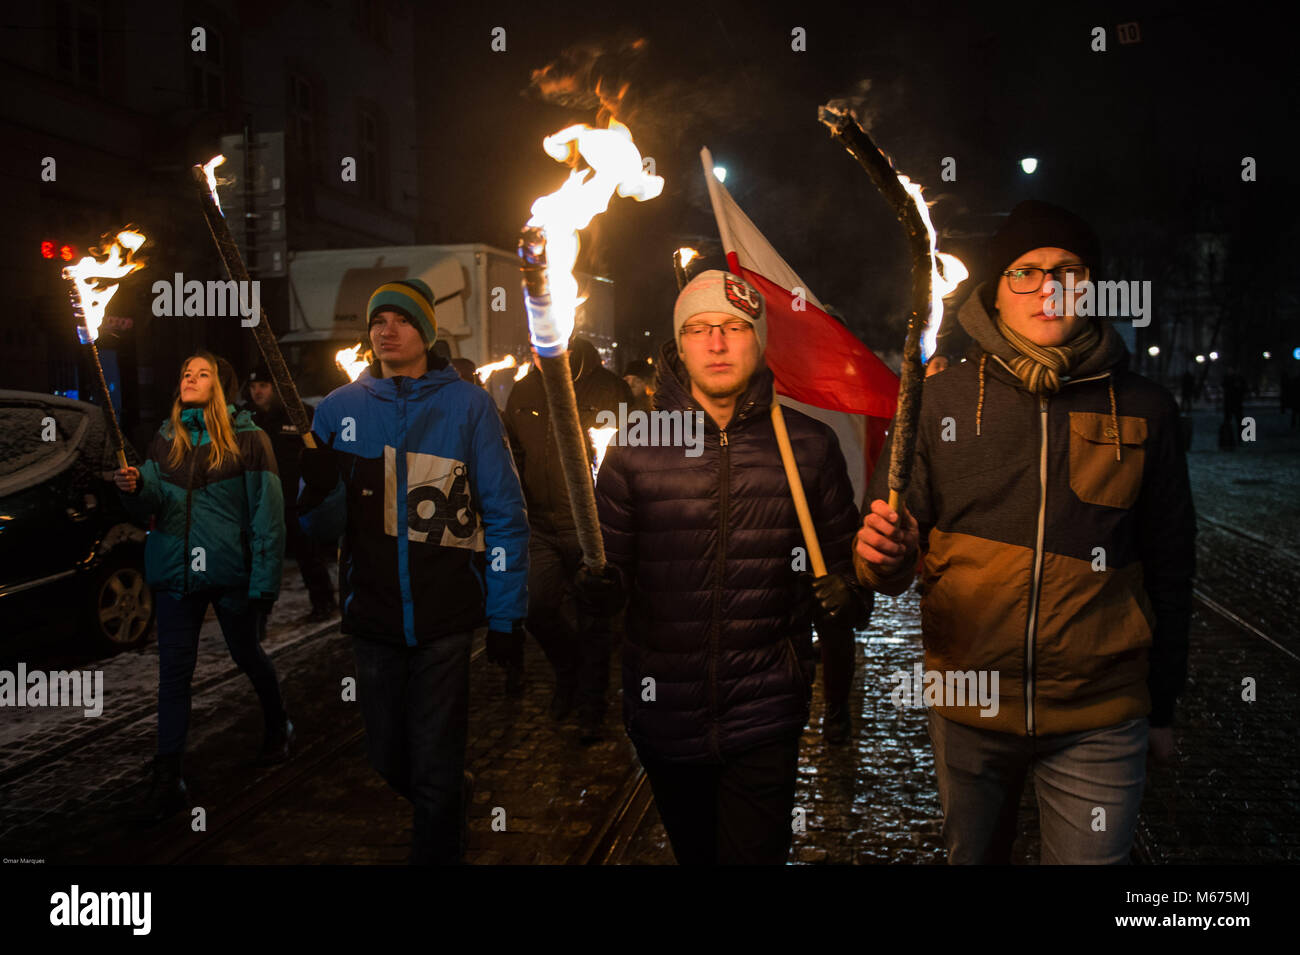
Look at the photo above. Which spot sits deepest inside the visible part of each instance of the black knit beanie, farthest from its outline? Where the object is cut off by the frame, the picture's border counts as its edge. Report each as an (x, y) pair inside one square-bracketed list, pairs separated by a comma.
[(1034, 224)]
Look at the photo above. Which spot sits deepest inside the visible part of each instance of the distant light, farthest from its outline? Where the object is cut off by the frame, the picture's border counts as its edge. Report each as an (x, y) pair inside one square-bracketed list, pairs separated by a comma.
[(721, 173), (615, 344), (1200, 359), (1268, 354), (647, 334), (1029, 164), (1214, 356), (1153, 351), (1296, 354)]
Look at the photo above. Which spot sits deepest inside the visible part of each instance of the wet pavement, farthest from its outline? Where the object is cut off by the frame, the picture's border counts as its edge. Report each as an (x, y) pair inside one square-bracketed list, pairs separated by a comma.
[(68, 784)]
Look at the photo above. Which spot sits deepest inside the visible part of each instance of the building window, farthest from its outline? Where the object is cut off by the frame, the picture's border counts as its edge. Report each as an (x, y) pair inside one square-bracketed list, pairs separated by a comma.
[(371, 171), (208, 71), (78, 42), (302, 122), (371, 20)]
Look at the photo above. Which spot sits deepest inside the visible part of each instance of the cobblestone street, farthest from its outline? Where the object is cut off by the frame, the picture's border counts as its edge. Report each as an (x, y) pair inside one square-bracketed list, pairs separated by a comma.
[(68, 783)]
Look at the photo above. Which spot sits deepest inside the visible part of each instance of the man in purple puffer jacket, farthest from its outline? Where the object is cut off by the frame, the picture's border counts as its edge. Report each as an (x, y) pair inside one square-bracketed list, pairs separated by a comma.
[(704, 541)]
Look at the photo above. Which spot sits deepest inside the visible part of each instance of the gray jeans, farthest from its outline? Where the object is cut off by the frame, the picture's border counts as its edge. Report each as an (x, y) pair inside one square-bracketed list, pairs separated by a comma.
[(982, 774)]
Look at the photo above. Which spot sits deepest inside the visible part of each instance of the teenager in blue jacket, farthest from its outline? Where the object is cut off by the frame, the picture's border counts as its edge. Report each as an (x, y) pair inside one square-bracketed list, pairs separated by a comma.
[(414, 472), (211, 483)]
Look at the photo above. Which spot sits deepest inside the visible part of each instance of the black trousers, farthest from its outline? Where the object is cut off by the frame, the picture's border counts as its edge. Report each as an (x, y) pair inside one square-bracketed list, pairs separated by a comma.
[(313, 559), (580, 658), (415, 701), (739, 812)]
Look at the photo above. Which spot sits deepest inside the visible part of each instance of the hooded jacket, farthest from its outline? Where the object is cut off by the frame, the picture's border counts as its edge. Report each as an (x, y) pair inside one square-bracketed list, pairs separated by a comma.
[(1057, 539), (708, 549), (235, 514), (528, 424), (435, 535)]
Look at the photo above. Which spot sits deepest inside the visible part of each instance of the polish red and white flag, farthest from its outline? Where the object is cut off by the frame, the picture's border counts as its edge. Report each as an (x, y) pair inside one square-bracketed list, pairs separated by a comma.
[(819, 366)]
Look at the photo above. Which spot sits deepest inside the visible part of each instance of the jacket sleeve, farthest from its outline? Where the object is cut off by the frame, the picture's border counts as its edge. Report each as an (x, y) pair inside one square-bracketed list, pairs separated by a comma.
[(516, 446), (265, 519), (148, 497), (322, 501), (836, 520), (500, 498), (617, 521), (1167, 548), (916, 500)]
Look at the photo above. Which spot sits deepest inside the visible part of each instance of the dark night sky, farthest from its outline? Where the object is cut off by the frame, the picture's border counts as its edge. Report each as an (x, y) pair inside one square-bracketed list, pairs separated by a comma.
[(1136, 138)]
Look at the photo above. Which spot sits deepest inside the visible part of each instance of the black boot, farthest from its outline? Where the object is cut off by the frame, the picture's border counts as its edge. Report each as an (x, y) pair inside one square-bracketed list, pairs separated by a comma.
[(167, 794), (277, 746), (836, 726)]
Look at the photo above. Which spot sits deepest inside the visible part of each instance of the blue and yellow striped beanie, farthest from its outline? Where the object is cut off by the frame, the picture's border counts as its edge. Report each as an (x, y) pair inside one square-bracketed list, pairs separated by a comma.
[(414, 299)]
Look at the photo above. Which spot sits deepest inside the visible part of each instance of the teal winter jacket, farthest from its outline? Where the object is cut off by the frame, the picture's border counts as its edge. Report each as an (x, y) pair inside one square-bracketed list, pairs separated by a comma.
[(215, 530)]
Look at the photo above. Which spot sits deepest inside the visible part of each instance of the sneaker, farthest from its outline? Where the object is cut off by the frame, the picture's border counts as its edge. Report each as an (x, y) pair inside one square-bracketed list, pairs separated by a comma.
[(167, 794), (277, 746)]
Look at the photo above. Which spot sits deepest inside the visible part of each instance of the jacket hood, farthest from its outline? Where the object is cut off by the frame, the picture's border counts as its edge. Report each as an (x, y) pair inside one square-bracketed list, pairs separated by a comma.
[(1111, 353), (584, 360), (386, 388), (673, 388)]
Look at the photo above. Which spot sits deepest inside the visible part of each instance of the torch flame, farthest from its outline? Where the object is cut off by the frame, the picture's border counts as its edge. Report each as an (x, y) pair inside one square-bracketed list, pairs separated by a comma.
[(485, 372), (210, 170), (600, 438), (350, 361), (686, 255), (88, 276), (615, 166), (524, 369), (946, 271)]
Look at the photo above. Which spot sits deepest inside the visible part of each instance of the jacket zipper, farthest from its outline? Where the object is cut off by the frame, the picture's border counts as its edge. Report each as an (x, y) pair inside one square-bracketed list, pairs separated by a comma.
[(715, 638), (1032, 626)]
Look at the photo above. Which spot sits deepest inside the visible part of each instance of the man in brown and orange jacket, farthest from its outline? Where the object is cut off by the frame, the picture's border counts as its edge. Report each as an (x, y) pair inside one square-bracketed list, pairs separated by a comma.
[(1051, 510)]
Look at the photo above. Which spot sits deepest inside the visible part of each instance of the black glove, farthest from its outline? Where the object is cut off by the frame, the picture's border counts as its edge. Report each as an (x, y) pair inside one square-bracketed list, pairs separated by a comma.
[(835, 605), (506, 649), (317, 468), (599, 594)]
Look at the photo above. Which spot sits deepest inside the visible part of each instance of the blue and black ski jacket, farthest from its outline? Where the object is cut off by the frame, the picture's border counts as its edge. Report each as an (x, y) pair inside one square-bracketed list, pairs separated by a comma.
[(215, 530), (427, 456)]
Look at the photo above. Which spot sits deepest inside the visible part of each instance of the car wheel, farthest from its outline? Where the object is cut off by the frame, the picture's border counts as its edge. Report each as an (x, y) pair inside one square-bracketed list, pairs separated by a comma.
[(120, 605)]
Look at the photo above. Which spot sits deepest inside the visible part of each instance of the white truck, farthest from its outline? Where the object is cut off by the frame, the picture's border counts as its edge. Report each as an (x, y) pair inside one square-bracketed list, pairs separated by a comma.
[(478, 301)]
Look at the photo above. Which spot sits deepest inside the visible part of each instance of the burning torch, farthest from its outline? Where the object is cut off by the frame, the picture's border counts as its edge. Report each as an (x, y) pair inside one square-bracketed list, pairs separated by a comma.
[(89, 300), (548, 249), (934, 274), (205, 181)]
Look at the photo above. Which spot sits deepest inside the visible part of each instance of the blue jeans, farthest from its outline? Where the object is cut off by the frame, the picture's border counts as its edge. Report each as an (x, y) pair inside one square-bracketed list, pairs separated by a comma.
[(415, 702), (179, 620), (982, 774)]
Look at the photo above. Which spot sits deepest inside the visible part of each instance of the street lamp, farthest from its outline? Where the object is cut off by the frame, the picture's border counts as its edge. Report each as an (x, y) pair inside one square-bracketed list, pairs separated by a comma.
[(1214, 356), (1153, 351), (720, 172), (1029, 164), (1200, 359)]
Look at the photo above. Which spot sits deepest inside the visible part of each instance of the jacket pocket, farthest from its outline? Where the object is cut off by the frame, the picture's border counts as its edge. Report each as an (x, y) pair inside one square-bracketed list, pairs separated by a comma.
[(1095, 476)]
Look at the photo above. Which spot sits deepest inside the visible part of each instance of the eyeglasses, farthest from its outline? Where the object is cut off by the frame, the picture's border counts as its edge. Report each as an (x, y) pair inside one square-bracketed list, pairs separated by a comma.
[(1023, 281), (734, 329)]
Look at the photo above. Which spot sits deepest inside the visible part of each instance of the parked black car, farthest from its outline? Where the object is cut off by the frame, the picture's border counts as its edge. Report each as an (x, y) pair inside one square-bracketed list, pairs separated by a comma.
[(66, 543)]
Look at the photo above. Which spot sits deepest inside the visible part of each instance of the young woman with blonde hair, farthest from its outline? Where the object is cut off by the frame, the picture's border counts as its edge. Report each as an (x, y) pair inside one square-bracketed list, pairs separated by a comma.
[(210, 481)]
